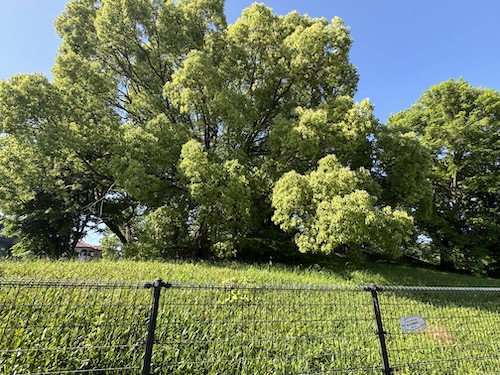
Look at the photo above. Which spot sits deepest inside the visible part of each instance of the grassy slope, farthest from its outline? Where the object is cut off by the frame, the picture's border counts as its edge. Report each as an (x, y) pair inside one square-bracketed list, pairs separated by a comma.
[(337, 272), (241, 322)]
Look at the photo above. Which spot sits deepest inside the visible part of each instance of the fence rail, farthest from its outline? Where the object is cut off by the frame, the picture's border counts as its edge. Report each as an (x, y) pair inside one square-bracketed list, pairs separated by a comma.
[(95, 327)]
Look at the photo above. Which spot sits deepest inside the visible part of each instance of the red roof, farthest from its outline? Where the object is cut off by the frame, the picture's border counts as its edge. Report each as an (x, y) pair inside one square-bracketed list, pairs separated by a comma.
[(84, 245)]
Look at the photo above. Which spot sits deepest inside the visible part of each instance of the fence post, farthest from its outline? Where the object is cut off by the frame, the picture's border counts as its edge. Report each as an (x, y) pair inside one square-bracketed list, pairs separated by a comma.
[(386, 369), (150, 340)]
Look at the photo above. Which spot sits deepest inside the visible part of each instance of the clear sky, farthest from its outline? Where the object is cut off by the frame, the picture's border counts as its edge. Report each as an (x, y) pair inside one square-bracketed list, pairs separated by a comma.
[(401, 48)]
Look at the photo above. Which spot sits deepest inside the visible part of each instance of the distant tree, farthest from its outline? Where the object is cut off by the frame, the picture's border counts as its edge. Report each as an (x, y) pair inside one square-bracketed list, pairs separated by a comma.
[(460, 126)]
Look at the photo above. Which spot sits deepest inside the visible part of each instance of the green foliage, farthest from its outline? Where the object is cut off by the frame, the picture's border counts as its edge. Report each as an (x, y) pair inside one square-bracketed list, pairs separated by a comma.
[(110, 246), (402, 167), (459, 125), (185, 135), (222, 196), (162, 234), (340, 126), (42, 187), (333, 209), (146, 165)]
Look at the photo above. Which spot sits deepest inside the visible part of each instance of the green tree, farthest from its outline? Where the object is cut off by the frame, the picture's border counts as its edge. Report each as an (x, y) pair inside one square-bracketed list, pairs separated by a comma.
[(41, 186), (266, 95), (115, 57), (333, 209), (174, 71), (55, 174), (459, 124), (173, 128)]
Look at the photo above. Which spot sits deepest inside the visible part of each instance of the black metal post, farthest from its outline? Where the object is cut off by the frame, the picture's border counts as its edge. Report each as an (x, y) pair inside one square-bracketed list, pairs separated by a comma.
[(386, 369), (157, 285)]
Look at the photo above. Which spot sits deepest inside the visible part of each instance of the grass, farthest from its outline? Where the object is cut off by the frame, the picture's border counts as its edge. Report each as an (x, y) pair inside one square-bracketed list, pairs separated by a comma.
[(337, 272), (252, 330)]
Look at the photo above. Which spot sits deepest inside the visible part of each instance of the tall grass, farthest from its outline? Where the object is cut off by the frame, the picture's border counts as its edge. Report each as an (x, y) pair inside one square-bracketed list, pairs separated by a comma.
[(307, 327), (339, 272)]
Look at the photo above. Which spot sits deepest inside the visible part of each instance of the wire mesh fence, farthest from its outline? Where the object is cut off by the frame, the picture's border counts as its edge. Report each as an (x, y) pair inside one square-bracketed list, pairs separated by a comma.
[(73, 327), (458, 331), (266, 329)]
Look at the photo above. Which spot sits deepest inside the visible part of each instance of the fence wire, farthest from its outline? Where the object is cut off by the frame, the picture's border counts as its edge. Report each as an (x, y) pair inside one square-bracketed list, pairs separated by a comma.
[(76, 327), (72, 327), (266, 329), (461, 333)]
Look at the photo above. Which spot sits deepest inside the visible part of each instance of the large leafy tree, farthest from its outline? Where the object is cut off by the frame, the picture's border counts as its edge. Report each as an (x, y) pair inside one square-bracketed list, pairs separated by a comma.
[(173, 71), (243, 93), (173, 128), (120, 54), (459, 124), (55, 175)]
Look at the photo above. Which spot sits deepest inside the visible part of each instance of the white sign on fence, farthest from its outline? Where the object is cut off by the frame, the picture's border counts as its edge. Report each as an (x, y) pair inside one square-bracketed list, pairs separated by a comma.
[(412, 323)]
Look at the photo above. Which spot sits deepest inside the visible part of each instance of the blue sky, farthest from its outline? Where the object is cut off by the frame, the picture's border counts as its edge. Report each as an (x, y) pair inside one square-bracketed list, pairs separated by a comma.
[(401, 48)]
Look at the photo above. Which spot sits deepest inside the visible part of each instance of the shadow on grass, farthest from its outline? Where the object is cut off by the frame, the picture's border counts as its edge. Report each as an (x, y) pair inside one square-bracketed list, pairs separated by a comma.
[(402, 271)]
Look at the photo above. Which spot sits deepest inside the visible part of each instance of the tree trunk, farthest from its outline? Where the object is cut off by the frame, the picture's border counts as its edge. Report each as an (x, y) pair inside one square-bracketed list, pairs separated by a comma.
[(446, 262), (454, 191), (201, 242), (117, 231), (128, 233)]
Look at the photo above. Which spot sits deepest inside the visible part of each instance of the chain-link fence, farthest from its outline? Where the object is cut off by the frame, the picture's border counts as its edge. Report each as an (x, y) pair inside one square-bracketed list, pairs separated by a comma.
[(69, 327)]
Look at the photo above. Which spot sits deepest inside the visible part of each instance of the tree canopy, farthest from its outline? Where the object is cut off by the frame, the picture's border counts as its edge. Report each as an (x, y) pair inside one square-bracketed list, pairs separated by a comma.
[(186, 135), (459, 124), (334, 207)]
